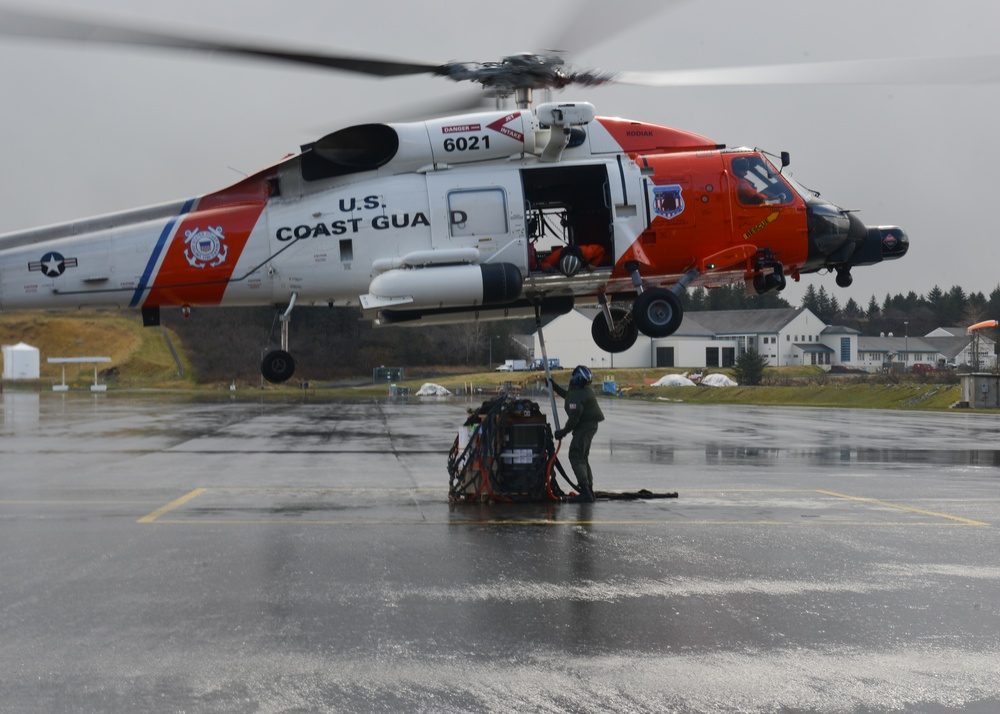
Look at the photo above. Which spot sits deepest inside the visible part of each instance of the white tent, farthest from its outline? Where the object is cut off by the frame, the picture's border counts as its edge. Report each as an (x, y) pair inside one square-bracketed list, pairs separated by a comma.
[(673, 380), (20, 361), (717, 379), (429, 389)]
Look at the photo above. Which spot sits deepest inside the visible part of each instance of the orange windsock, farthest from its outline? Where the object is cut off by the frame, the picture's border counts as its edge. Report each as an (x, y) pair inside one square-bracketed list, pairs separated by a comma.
[(981, 325)]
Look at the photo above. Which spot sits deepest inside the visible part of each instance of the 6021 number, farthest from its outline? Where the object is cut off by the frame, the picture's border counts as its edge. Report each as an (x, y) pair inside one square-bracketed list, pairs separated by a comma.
[(472, 143)]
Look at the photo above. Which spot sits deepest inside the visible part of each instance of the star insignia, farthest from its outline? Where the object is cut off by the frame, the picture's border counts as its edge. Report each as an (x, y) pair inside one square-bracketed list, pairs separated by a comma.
[(52, 264)]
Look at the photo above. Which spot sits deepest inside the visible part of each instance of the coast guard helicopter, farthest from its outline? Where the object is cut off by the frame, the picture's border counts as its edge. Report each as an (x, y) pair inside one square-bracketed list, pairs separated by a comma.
[(519, 211)]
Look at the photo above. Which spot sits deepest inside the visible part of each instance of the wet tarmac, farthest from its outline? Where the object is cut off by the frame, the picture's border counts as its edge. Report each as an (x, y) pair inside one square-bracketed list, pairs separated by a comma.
[(163, 553)]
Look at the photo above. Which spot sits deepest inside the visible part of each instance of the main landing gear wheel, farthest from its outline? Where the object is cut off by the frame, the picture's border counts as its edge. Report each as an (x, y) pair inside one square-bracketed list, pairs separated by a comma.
[(623, 336), (657, 312), (277, 367)]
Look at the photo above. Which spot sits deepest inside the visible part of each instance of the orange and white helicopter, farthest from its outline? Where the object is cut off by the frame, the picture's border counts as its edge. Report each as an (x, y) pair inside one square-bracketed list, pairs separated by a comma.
[(489, 215)]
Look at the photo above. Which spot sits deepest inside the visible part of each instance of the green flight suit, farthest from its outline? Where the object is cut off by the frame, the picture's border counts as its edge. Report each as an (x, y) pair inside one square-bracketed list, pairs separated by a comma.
[(583, 415)]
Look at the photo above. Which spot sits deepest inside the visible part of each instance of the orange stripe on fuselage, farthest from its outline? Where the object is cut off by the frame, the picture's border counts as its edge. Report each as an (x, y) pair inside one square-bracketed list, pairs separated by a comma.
[(202, 256)]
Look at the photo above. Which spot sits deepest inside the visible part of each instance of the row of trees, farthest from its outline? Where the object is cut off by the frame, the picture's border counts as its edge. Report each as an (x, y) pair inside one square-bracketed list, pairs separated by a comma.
[(917, 314), (330, 343)]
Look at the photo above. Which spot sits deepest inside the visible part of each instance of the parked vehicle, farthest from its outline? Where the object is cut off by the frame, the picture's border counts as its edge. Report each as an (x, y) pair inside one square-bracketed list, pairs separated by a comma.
[(539, 364), (513, 365)]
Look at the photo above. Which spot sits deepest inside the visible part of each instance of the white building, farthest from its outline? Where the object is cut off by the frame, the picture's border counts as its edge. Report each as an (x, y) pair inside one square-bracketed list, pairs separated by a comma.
[(943, 347), (21, 361), (785, 336)]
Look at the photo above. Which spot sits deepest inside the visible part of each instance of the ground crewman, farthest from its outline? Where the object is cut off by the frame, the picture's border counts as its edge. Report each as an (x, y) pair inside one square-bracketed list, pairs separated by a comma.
[(583, 415)]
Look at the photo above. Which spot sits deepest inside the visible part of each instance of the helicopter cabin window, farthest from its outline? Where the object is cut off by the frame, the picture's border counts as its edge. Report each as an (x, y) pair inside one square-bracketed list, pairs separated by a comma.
[(758, 184), (478, 213)]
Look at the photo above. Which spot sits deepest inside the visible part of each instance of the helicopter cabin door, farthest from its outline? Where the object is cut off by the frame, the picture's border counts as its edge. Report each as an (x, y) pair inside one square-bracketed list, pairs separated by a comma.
[(568, 205), (479, 210)]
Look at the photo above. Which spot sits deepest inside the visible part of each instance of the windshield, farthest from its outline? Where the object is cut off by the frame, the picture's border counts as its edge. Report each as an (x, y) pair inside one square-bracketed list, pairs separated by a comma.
[(806, 194), (758, 183)]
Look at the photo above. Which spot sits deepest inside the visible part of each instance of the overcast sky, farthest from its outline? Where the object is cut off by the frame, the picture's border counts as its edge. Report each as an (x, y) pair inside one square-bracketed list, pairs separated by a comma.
[(90, 130)]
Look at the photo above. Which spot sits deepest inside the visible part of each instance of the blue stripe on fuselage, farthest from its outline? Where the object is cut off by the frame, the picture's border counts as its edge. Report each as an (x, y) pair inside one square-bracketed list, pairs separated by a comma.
[(155, 257)]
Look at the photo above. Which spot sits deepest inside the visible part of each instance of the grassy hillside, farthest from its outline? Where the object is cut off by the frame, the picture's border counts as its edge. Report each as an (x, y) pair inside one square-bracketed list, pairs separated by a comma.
[(139, 356)]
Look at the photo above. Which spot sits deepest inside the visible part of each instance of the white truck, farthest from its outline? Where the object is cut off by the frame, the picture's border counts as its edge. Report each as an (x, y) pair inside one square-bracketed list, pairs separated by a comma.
[(513, 365)]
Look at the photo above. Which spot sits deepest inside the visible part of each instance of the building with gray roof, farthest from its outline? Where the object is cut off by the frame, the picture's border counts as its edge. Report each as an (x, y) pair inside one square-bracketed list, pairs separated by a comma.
[(785, 336)]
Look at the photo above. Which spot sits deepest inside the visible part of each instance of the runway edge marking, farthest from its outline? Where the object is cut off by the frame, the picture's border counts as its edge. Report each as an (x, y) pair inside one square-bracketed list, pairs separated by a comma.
[(171, 506), (959, 519)]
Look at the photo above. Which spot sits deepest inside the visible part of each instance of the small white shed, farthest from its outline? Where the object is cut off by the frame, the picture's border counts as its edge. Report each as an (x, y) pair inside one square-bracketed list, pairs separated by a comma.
[(21, 361)]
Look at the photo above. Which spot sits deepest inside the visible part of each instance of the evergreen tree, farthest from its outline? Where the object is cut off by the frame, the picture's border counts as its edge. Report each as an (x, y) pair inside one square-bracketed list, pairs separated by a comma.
[(951, 307), (823, 304), (834, 309), (873, 308), (749, 367), (810, 300), (852, 310), (993, 306)]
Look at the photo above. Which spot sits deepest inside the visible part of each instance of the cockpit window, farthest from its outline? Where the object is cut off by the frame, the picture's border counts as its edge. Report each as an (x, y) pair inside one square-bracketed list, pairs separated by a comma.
[(757, 183), (806, 194)]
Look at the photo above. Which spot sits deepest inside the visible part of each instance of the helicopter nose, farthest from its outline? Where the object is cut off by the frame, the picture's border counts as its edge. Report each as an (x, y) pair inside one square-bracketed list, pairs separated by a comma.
[(839, 240), (879, 243), (892, 240), (830, 229)]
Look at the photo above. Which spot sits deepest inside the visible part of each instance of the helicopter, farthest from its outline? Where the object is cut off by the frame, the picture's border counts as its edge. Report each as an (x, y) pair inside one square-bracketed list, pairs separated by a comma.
[(518, 211)]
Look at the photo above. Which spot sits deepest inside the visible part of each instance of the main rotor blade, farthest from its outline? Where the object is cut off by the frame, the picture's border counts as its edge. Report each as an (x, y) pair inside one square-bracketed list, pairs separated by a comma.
[(23, 24), (594, 21), (977, 69)]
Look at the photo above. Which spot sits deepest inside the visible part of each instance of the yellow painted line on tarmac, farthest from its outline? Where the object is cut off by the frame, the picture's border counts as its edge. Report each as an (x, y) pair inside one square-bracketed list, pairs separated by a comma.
[(171, 506), (958, 519), (157, 515)]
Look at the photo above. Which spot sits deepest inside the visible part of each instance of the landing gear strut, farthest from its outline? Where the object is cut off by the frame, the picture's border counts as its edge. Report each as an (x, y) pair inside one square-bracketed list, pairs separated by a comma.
[(613, 329), (656, 312), (278, 365)]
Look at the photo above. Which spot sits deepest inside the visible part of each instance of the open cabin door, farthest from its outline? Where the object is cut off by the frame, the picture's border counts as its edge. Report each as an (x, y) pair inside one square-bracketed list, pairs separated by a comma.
[(569, 205)]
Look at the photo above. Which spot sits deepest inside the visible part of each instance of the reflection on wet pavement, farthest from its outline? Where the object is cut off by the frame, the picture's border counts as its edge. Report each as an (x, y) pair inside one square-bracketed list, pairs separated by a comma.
[(166, 553)]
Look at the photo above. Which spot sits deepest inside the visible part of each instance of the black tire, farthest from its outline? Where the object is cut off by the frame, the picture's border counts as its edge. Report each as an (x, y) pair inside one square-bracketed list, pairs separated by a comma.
[(621, 338), (657, 312), (277, 367)]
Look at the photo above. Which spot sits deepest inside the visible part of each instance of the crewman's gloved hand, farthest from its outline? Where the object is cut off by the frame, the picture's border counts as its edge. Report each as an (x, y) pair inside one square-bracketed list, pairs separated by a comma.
[(560, 434)]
